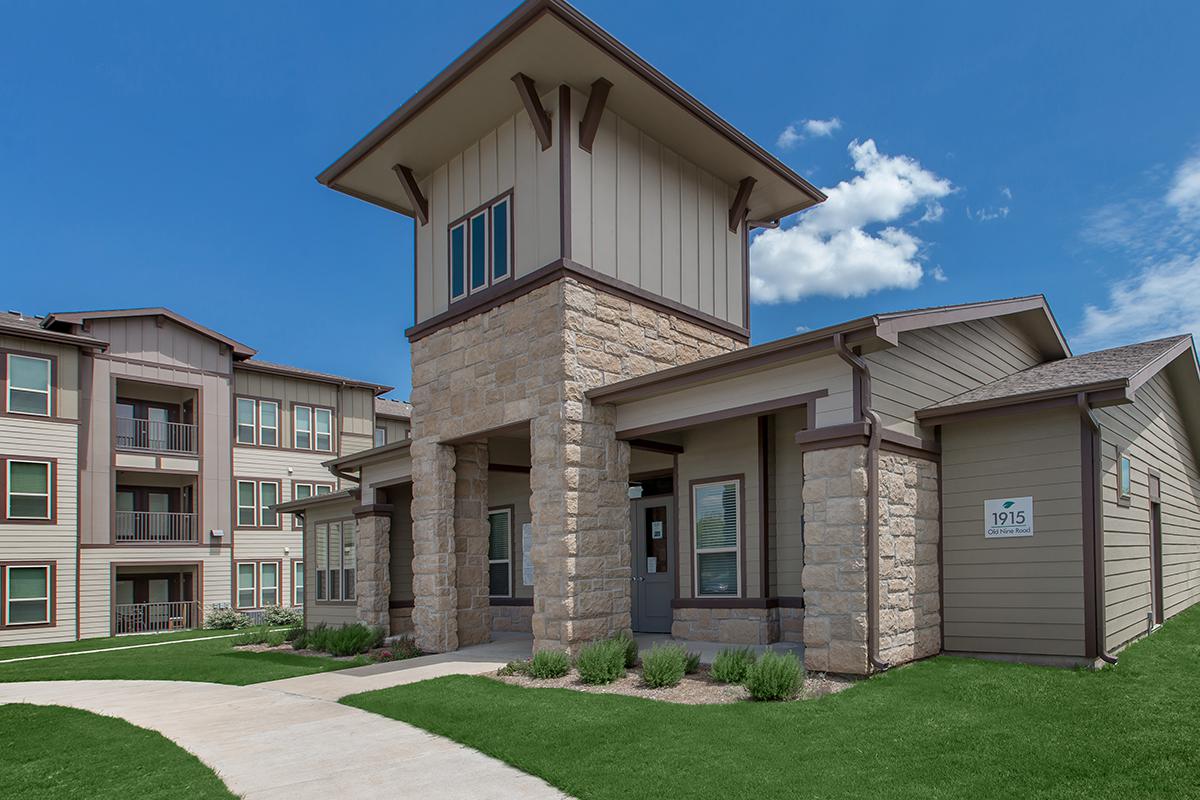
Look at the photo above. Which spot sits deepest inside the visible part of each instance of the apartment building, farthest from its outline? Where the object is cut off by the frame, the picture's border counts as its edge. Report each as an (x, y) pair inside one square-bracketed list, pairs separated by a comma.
[(142, 457), (596, 446)]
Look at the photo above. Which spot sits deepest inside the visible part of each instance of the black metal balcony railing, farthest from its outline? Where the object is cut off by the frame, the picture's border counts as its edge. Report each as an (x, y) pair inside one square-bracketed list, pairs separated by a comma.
[(163, 437), (155, 527), (153, 617)]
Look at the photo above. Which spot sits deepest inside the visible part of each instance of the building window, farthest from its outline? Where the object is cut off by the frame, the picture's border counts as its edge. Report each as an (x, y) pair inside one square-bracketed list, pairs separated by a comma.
[(246, 504), (1126, 476), (500, 553), (716, 510), (297, 583), (246, 412), (268, 495), (28, 490), (245, 584), (28, 385), (481, 248), (323, 422), (335, 551), (268, 584), (380, 436), (268, 423), (302, 427), (302, 491), (27, 591)]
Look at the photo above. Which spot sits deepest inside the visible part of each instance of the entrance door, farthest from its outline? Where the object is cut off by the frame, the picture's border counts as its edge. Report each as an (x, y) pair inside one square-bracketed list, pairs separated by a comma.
[(653, 564), (1156, 564)]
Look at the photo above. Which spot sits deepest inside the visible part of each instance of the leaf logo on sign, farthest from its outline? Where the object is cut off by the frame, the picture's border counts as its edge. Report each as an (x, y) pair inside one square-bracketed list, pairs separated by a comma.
[(1008, 504)]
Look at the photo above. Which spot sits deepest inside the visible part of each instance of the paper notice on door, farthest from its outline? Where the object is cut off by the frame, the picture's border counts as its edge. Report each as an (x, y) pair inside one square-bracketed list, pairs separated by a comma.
[(656, 529), (527, 554), (651, 564)]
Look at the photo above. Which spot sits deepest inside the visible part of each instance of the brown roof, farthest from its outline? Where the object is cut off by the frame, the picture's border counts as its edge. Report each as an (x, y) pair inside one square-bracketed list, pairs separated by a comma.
[(1118, 367), (393, 408), (258, 365), (21, 325)]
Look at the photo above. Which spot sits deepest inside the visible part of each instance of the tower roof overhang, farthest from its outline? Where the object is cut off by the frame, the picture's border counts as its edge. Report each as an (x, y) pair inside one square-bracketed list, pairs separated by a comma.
[(553, 43)]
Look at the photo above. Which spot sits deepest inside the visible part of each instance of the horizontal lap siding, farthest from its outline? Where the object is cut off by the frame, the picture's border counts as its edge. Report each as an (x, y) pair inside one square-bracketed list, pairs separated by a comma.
[(66, 388), (1152, 431), (512, 489), (934, 364), (45, 543), (1021, 595)]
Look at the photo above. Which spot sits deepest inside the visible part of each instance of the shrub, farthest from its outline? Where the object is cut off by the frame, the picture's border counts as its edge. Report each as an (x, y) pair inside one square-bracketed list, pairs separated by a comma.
[(276, 638), (549, 664), (631, 647), (293, 634), (601, 661), (347, 640), (664, 665), (383, 655), (405, 647), (692, 665), (731, 664), (775, 676), (515, 668), (278, 616), (256, 635), (226, 619)]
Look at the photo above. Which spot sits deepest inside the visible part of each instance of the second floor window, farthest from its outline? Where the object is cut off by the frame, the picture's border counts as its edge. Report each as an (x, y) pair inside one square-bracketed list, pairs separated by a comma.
[(28, 385), (480, 247), (380, 436), (28, 490), (254, 501), (246, 412), (257, 422), (312, 428)]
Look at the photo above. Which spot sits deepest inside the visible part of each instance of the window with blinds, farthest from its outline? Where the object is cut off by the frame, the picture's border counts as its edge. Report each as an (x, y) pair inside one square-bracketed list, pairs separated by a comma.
[(500, 553), (335, 560), (716, 514)]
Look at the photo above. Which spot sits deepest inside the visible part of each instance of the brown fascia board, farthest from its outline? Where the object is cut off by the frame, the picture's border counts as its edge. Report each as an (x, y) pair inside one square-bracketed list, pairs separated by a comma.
[(524, 15), (750, 359), (79, 317), (1161, 361), (367, 456), (891, 325), (316, 499), (299, 374), (42, 334), (1104, 393)]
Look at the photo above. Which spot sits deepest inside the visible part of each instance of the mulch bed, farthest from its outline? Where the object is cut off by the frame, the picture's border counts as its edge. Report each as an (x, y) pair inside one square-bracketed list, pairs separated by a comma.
[(287, 648), (697, 689)]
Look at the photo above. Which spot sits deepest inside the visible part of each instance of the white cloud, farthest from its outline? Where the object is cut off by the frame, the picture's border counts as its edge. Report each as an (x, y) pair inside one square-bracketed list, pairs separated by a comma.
[(797, 132), (1007, 192), (853, 243), (1184, 194), (1162, 296), (938, 274), (987, 214)]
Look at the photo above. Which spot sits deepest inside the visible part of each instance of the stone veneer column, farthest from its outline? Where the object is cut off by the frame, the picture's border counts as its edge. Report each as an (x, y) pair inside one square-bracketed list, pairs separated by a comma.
[(910, 610), (435, 597), (471, 543), (835, 569), (372, 573)]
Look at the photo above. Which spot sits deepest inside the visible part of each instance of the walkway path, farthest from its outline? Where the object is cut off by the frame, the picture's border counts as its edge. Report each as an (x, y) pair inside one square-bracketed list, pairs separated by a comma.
[(288, 739)]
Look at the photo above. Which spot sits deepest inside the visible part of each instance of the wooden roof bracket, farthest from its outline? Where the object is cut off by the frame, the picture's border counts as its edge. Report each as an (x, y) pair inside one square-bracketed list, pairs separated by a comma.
[(533, 107), (740, 203), (409, 182), (590, 124)]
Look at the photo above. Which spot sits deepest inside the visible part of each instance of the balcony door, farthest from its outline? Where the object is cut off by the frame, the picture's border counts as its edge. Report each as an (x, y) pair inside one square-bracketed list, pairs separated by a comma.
[(145, 425)]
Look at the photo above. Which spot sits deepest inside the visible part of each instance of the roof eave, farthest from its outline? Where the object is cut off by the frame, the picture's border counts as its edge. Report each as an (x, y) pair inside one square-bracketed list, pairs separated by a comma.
[(334, 380), (1102, 393)]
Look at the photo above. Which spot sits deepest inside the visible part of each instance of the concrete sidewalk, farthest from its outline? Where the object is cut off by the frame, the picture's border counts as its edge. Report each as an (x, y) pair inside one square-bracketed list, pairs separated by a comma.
[(266, 743)]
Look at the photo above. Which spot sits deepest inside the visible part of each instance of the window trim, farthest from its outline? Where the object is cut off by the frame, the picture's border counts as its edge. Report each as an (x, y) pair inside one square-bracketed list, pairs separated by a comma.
[(488, 211), (314, 490), (51, 379), (52, 490), (380, 429), (51, 568), (315, 433), (312, 428), (739, 548), (296, 427), (298, 569), (237, 584), (341, 548), (237, 503), (1124, 497), (278, 583), (238, 424), (509, 510), (261, 507), (260, 427)]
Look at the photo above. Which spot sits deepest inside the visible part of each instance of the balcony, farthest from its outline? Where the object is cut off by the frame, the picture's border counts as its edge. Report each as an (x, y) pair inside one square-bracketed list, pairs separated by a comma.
[(156, 436), (156, 527), (156, 617)]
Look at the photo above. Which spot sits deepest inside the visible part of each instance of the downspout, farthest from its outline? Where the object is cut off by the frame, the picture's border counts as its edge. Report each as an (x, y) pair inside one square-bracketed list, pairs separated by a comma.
[(1097, 528), (863, 375)]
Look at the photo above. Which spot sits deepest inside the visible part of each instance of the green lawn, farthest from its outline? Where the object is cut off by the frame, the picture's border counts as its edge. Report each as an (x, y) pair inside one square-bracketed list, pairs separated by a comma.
[(53, 752), (21, 650), (213, 661), (942, 728)]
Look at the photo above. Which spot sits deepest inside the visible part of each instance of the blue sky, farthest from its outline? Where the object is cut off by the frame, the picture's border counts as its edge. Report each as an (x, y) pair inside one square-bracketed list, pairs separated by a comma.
[(163, 154)]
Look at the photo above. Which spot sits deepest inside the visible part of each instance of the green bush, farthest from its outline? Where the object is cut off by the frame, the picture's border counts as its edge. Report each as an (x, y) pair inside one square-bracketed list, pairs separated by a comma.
[(731, 664), (405, 648), (276, 638), (515, 668), (346, 640), (775, 676), (293, 634), (278, 616), (549, 664), (692, 665), (226, 619), (631, 647), (664, 666), (601, 661), (256, 635)]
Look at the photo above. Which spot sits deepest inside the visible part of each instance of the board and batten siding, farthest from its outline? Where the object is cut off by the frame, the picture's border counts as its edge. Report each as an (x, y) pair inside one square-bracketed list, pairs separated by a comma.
[(54, 543), (1017, 595), (66, 376), (827, 373), (650, 218), (508, 157), (933, 364), (158, 340), (354, 407), (1151, 431), (785, 528)]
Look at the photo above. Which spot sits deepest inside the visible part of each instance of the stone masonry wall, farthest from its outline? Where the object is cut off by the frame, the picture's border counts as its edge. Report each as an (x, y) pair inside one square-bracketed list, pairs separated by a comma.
[(530, 361), (835, 569), (372, 576), (910, 611), (517, 619), (471, 543), (727, 625)]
